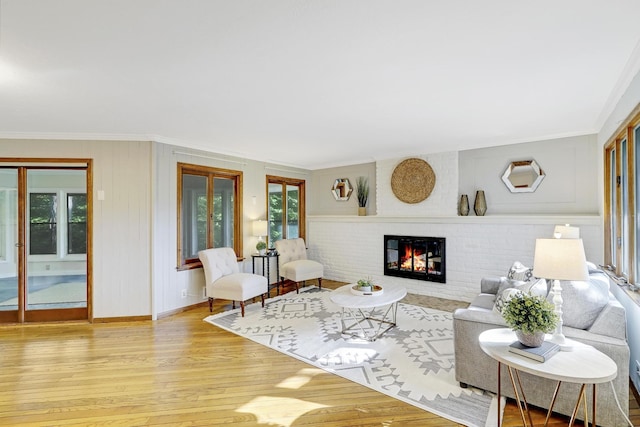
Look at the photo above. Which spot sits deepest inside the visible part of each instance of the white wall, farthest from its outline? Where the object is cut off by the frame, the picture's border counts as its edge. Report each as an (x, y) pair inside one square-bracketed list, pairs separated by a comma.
[(320, 200), (135, 230), (168, 282), (441, 201), (570, 183), (122, 221), (352, 247)]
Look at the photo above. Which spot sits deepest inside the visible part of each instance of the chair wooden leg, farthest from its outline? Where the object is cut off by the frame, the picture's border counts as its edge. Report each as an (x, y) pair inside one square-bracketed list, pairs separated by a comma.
[(242, 308), (297, 288), (320, 282), (262, 296), (233, 304), (210, 305)]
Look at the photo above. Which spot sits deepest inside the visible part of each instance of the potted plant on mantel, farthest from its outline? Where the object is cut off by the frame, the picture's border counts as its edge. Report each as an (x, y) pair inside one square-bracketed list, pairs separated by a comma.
[(530, 316), (362, 191)]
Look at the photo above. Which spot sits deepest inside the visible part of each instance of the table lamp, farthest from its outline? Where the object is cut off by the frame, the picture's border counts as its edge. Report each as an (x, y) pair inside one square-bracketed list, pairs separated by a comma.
[(560, 259), (259, 228), (566, 232)]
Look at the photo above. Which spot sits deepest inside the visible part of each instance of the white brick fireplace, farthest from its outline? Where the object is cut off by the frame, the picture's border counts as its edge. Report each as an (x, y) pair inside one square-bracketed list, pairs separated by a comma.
[(351, 247)]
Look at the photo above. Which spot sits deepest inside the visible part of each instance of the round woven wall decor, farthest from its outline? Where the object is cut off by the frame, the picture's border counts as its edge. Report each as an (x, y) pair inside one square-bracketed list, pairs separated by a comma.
[(413, 180)]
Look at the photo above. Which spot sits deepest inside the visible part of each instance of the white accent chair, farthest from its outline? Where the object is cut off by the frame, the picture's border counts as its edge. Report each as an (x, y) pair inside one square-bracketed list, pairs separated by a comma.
[(294, 264), (223, 278)]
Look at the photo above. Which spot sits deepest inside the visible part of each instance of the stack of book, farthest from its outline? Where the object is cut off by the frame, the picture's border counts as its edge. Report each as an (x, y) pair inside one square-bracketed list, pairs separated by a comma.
[(541, 354)]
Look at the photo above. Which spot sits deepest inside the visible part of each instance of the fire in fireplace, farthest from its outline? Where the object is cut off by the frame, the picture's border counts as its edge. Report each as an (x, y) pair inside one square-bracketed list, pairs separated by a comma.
[(413, 257)]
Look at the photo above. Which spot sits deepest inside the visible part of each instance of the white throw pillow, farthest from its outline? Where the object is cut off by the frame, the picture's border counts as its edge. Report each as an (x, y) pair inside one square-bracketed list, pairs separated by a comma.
[(582, 302), (518, 271), (510, 288), (503, 299)]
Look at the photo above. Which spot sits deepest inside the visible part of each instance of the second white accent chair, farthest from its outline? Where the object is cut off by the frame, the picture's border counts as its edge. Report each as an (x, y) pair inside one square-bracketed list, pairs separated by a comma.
[(223, 278), (294, 264)]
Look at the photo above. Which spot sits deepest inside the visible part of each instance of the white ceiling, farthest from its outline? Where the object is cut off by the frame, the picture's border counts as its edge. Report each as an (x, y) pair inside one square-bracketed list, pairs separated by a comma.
[(314, 83)]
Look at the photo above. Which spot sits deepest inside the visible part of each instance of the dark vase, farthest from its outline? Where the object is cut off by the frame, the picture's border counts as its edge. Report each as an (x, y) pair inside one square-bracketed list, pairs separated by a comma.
[(463, 207), (480, 205)]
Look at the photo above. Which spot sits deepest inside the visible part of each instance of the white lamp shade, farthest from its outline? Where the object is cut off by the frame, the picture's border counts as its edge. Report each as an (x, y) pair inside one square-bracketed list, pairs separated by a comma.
[(566, 232), (260, 228), (560, 259)]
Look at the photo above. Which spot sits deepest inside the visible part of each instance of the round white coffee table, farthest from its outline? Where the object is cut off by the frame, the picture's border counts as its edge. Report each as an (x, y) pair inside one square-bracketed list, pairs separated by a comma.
[(584, 365), (359, 318)]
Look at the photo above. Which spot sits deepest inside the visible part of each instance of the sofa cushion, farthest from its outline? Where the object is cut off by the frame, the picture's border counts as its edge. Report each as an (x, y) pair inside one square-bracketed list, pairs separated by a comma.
[(518, 271), (582, 301), (485, 301)]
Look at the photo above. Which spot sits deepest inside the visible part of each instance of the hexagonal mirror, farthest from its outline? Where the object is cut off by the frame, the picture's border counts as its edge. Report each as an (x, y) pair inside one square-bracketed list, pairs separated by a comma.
[(523, 176), (342, 189)]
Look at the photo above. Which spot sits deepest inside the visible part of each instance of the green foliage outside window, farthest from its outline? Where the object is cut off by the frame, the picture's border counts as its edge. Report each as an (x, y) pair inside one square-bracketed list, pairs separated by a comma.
[(43, 223), (276, 215), (77, 223)]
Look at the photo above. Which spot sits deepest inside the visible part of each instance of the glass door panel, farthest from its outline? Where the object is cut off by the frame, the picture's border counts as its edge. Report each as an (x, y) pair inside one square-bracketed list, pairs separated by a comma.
[(9, 295), (56, 229)]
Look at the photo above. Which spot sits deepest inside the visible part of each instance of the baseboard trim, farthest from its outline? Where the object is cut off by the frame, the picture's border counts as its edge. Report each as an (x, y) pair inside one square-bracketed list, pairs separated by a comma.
[(120, 319), (148, 317), (182, 309)]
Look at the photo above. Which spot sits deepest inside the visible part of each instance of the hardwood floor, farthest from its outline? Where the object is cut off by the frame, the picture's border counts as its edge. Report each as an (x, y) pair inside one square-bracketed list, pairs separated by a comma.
[(181, 371)]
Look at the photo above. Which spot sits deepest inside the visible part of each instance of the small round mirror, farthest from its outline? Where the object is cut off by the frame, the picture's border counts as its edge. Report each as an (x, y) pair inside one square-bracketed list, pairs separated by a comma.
[(523, 176), (342, 189)]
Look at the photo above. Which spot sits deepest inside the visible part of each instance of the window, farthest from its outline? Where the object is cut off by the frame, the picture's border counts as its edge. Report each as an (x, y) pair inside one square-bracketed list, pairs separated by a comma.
[(76, 223), (209, 209), (622, 181), (51, 227), (286, 208), (43, 218)]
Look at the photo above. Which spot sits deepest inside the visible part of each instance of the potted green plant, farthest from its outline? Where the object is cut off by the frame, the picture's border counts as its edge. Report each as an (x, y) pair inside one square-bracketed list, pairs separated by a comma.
[(530, 316), (362, 192), (261, 246), (365, 285)]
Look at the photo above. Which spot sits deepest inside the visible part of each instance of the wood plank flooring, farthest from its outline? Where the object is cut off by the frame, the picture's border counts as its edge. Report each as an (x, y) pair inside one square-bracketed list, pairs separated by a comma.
[(181, 371)]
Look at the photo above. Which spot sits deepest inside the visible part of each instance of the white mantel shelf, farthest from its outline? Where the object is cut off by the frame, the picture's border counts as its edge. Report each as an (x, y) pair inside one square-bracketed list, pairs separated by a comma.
[(577, 219)]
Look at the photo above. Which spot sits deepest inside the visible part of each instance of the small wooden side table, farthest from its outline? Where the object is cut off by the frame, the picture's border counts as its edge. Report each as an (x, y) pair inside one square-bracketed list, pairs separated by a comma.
[(267, 258), (584, 365)]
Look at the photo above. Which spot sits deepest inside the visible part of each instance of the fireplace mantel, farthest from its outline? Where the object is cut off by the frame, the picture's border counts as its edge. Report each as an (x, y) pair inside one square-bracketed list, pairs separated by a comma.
[(578, 219)]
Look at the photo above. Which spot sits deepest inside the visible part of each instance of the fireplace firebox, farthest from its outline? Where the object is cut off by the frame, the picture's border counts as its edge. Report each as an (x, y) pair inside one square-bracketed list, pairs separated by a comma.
[(415, 257)]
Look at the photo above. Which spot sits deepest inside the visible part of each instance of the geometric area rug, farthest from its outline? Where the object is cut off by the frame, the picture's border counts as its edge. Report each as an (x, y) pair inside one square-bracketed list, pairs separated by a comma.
[(412, 362)]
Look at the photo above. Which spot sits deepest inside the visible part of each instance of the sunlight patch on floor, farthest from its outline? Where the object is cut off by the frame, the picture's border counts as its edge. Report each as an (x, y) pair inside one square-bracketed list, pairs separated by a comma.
[(300, 379), (282, 411)]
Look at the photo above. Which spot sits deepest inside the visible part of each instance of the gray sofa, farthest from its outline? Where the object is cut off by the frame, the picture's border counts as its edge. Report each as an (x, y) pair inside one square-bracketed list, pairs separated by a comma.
[(600, 324)]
